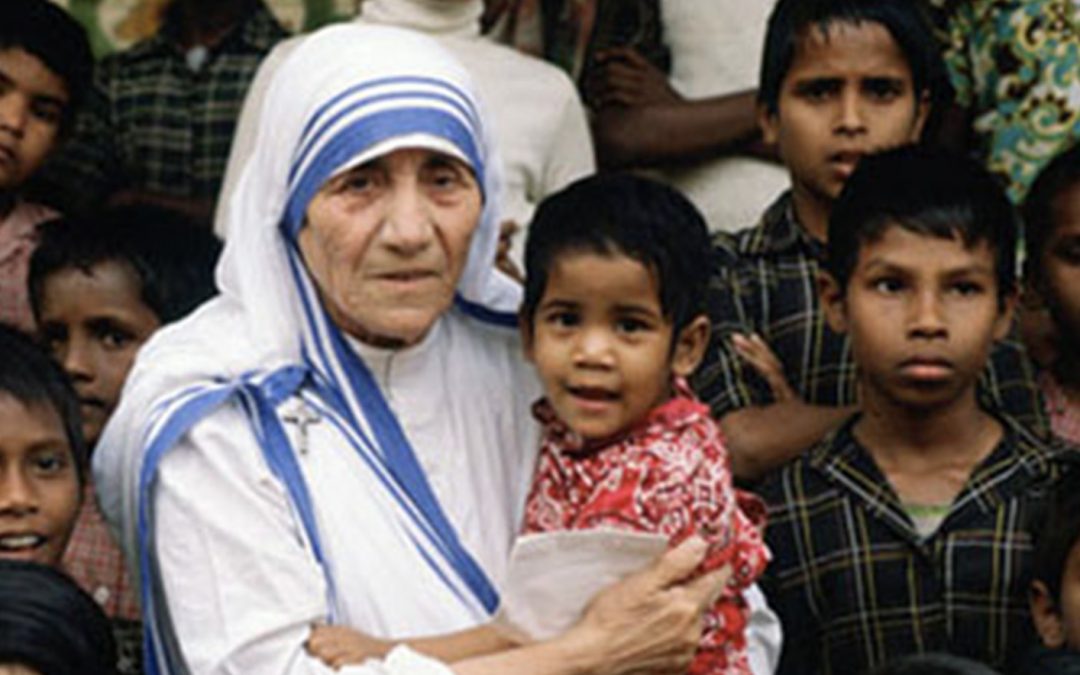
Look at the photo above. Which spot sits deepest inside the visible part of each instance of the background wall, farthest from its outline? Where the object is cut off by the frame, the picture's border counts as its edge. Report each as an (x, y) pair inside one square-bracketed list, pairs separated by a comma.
[(115, 24)]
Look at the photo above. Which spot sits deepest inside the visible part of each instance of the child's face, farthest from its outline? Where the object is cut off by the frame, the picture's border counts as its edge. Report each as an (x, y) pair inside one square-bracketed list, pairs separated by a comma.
[(923, 313), (1060, 273), (39, 482), (602, 345), (848, 93), (32, 104), (94, 323)]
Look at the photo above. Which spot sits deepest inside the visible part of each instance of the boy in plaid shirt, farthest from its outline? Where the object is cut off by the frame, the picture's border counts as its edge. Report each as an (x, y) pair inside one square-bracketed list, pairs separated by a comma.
[(908, 529)]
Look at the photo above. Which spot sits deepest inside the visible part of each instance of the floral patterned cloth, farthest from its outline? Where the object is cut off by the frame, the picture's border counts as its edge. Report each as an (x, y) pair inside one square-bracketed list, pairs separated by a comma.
[(670, 475), (1016, 66), (1064, 414)]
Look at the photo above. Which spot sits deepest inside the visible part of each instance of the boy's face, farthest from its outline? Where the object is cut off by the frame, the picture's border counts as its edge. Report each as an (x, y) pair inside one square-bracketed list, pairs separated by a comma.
[(94, 323), (602, 345), (923, 314), (1059, 278), (39, 483), (33, 100), (848, 92)]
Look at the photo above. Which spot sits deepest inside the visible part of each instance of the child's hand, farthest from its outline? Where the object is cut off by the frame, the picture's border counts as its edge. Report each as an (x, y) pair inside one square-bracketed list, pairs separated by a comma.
[(338, 646), (754, 350)]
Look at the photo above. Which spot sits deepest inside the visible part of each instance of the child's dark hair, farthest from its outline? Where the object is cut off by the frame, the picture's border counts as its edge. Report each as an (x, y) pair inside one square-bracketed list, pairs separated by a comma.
[(1040, 219), (43, 29), (623, 214), (49, 624), (29, 376), (934, 664), (905, 20), (172, 257), (927, 191), (1058, 532)]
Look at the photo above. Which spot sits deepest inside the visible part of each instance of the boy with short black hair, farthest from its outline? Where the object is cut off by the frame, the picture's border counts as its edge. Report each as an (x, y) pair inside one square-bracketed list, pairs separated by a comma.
[(100, 286), (1052, 277), (42, 454), (908, 529), (45, 66), (614, 321), (840, 79), (1055, 585)]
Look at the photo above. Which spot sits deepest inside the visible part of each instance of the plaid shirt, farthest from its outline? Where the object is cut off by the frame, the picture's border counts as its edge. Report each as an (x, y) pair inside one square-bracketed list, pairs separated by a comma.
[(856, 586), (153, 123), (765, 281)]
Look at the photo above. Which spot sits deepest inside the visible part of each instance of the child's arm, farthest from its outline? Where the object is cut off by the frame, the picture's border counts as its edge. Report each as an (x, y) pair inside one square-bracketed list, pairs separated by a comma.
[(338, 646)]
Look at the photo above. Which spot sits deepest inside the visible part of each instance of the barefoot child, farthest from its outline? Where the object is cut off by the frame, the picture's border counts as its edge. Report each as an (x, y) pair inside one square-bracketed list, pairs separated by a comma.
[(908, 529), (614, 320), (1052, 221)]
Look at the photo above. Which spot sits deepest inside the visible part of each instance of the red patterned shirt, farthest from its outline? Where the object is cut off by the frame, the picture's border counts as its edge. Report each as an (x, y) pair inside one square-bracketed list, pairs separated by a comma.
[(669, 475), (1064, 414)]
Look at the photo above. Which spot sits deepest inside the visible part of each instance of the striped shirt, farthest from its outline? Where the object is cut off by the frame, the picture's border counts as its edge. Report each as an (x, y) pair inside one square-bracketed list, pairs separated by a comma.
[(856, 585), (154, 123), (765, 281)]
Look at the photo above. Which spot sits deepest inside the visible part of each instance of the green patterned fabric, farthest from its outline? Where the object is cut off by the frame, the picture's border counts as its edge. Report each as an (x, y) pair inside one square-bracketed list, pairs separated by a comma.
[(1016, 66)]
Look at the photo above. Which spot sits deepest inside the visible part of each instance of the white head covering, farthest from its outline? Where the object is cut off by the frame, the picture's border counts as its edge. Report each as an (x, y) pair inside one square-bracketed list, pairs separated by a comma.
[(346, 94)]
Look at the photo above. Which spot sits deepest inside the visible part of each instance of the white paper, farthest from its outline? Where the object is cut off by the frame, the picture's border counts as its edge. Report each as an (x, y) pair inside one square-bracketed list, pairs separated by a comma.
[(553, 575)]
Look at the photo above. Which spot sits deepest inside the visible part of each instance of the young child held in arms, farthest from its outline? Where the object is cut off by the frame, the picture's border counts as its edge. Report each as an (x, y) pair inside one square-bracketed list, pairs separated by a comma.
[(42, 455), (908, 529), (840, 79), (100, 286), (45, 67), (1055, 587), (613, 319), (1052, 276)]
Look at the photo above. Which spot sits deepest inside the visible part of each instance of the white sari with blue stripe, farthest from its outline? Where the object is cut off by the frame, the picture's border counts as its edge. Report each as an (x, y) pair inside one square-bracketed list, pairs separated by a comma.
[(266, 472)]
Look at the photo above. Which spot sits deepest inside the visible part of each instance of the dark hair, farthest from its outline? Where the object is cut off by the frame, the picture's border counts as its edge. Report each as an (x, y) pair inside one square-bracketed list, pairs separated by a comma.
[(934, 664), (1059, 175), (29, 376), (623, 214), (172, 258), (905, 20), (43, 29), (49, 624), (927, 191), (1058, 532)]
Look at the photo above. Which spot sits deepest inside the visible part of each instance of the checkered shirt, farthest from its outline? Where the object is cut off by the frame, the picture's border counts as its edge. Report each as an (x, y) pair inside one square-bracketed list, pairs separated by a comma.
[(152, 123), (856, 586), (765, 281), (18, 238)]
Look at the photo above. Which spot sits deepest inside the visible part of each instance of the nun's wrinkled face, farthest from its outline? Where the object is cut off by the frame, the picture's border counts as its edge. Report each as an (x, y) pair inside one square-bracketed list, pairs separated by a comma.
[(386, 242)]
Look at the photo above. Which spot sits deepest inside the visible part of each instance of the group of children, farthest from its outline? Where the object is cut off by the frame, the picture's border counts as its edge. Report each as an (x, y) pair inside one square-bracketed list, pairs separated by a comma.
[(856, 349)]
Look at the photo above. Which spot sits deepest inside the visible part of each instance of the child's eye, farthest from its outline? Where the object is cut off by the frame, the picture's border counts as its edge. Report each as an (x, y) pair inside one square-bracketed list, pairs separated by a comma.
[(967, 288), (53, 338), (46, 111), (49, 463), (883, 89), (562, 319), (114, 338), (818, 90), (631, 325), (888, 285)]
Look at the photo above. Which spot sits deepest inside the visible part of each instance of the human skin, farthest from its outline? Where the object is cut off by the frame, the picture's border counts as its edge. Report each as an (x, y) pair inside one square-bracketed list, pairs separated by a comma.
[(93, 323), (1057, 282), (39, 483)]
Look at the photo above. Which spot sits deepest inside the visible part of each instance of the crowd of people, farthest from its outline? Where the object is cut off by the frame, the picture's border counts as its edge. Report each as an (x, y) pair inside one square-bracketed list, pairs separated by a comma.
[(310, 345)]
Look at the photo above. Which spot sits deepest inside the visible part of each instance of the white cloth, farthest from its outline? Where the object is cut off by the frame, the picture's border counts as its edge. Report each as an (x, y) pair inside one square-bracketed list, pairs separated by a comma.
[(715, 50), (538, 119)]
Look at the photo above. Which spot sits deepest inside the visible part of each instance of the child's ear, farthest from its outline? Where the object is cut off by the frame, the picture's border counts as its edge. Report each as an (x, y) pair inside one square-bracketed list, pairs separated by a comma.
[(525, 327), (1046, 617), (922, 114), (769, 124), (690, 346), (832, 301)]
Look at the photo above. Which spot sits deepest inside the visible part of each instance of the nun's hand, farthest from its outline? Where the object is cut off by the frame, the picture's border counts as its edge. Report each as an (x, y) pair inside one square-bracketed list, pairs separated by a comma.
[(652, 620)]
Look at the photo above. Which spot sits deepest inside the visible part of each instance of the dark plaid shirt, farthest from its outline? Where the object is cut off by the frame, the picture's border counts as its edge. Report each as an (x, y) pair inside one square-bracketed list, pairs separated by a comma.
[(765, 281), (854, 583), (154, 123)]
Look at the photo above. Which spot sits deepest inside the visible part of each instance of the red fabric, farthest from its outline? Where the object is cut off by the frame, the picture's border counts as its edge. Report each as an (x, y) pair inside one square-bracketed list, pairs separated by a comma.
[(670, 475), (18, 238), (95, 562)]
